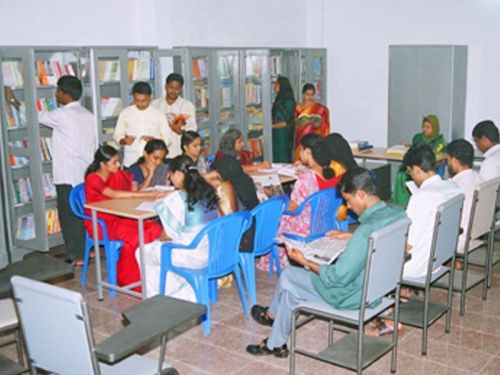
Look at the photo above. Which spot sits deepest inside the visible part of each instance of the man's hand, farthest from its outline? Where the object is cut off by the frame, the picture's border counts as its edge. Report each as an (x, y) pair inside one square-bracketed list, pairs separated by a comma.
[(296, 255), (176, 125), (127, 140), (339, 234)]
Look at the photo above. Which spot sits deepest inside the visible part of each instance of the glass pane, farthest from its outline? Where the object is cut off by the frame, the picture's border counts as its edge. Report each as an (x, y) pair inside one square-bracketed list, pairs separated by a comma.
[(227, 68), (108, 73), (253, 104), (50, 66), (199, 65), (317, 74)]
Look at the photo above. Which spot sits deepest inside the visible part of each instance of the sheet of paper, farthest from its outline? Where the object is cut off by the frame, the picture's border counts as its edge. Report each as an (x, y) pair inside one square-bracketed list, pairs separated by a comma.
[(148, 206), (323, 250)]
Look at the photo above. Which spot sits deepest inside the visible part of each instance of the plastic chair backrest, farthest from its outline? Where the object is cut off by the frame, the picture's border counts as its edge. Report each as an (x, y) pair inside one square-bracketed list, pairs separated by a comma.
[(324, 206), (446, 230), (267, 217), (384, 264), (56, 327), (77, 200), (224, 236), (483, 208)]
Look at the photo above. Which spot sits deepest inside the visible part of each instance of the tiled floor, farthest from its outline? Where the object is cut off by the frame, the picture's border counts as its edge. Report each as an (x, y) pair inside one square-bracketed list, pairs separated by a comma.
[(472, 347)]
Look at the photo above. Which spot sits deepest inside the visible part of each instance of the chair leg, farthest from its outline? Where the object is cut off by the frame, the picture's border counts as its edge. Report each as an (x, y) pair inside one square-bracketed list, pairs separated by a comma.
[(464, 285), (450, 296), (293, 339), (277, 259), (330, 333), (19, 346), (86, 257), (361, 329), (425, 323), (248, 268), (487, 264), (204, 298), (111, 260), (271, 263), (491, 250), (395, 334), (241, 291), (213, 292)]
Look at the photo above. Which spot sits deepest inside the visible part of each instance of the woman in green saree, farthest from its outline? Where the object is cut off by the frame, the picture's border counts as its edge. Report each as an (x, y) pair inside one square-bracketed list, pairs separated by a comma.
[(430, 135), (283, 117)]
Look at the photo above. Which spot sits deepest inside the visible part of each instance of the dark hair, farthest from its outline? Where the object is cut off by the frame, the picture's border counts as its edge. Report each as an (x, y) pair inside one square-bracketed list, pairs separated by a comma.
[(142, 88), (188, 137), (461, 150), (358, 178), (228, 140), (152, 146), (197, 189), (103, 154), (420, 155), (71, 86), (339, 150), (488, 129), (308, 86), (175, 77), (315, 143), (285, 88)]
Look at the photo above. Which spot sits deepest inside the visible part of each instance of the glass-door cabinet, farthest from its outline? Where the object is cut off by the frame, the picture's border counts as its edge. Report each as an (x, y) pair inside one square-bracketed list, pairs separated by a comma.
[(256, 102), (313, 70), (285, 62)]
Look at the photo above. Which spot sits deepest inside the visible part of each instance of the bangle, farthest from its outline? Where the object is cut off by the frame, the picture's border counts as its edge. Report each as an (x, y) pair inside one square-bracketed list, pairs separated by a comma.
[(306, 266)]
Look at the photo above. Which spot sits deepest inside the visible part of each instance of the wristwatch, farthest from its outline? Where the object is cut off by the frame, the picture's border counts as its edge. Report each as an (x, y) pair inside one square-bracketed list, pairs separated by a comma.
[(306, 266)]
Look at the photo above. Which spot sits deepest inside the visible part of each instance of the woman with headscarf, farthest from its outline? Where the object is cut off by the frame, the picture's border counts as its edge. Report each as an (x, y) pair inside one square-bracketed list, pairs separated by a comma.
[(283, 118), (311, 117), (430, 135)]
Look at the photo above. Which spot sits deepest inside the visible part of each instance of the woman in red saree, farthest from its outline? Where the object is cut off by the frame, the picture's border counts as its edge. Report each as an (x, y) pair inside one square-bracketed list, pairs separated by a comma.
[(310, 118), (104, 180)]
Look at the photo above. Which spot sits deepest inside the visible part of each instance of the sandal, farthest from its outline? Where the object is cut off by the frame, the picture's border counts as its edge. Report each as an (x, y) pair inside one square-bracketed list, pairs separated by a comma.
[(259, 314)]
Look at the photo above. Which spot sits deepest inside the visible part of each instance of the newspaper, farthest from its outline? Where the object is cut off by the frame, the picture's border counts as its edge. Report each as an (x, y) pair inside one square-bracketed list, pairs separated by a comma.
[(323, 250), (267, 186)]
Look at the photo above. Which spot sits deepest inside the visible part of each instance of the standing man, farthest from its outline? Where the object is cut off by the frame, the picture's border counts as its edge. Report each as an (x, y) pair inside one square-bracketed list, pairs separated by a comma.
[(459, 157), (340, 284), (181, 113), (74, 141), (138, 124), (486, 138)]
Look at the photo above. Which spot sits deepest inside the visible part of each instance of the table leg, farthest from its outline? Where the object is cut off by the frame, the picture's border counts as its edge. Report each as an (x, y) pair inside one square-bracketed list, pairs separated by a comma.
[(140, 228), (97, 251), (163, 347)]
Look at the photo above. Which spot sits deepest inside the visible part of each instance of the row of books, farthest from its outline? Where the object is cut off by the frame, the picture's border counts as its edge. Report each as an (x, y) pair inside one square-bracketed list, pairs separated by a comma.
[(255, 112), (200, 67), (141, 70), (46, 104), (201, 95), (253, 93), (16, 160), (15, 118), (108, 70), (22, 191), (253, 65), (12, 73), (46, 148), (225, 67), (49, 71), (316, 67), (110, 106), (25, 225), (226, 95), (49, 189)]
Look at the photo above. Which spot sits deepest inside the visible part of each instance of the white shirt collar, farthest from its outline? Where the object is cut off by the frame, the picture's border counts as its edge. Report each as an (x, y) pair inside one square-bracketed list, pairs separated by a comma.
[(430, 181), (492, 150), (464, 174)]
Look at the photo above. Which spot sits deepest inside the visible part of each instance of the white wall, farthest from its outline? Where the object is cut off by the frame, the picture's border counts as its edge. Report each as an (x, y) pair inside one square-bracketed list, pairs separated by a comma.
[(358, 34)]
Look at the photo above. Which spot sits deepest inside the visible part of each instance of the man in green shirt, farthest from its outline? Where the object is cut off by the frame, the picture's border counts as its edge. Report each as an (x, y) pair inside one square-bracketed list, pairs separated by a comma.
[(340, 284)]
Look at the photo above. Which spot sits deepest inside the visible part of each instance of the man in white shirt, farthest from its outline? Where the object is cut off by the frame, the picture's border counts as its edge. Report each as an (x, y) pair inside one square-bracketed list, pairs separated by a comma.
[(420, 164), (181, 113), (487, 141), (139, 123), (74, 141), (460, 156)]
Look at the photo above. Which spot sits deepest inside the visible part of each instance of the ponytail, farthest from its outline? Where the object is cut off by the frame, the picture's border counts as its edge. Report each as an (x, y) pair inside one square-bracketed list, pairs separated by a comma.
[(319, 153), (103, 154)]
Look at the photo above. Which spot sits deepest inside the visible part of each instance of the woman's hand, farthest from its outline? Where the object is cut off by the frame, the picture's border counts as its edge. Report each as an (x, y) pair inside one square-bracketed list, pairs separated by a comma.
[(339, 234), (266, 164)]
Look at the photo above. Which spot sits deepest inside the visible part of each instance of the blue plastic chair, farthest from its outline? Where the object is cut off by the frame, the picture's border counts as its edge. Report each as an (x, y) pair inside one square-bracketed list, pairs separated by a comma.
[(324, 206), (112, 248), (224, 236), (267, 216)]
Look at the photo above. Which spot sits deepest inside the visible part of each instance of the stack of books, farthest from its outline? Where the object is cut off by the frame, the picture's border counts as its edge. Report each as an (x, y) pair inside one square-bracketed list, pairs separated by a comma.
[(360, 145), (398, 150)]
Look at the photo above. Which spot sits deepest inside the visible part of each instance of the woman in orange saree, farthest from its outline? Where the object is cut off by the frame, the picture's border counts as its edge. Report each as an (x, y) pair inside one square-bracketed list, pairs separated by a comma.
[(310, 117)]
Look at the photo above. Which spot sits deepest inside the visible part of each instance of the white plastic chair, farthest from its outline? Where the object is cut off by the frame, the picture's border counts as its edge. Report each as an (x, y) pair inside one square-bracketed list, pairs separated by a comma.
[(383, 271), (422, 314), (9, 323)]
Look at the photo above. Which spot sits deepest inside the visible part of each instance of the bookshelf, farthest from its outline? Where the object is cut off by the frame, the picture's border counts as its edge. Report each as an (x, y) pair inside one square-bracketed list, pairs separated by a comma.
[(30, 210), (114, 71), (313, 70)]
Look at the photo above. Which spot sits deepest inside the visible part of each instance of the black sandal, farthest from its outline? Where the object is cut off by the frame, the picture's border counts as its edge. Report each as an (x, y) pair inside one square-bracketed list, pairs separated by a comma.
[(259, 314), (262, 349)]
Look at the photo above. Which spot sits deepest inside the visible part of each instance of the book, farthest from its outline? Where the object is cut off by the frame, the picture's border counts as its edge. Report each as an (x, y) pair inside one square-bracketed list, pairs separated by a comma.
[(398, 150), (324, 250), (12, 74), (306, 119), (360, 145), (267, 186), (25, 227), (110, 106)]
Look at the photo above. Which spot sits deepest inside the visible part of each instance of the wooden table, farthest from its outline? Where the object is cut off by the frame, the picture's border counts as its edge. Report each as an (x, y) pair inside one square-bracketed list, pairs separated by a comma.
[(380, 153), (284, 179), (124, 208)]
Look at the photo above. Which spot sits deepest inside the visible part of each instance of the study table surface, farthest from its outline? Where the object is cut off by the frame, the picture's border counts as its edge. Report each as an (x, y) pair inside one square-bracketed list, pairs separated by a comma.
[(125, 208), (380, 153)]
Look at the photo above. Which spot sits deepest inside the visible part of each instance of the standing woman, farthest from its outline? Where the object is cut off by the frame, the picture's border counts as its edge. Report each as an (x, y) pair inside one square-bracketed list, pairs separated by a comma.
[(283, 117), (103, 181), (311, 117)]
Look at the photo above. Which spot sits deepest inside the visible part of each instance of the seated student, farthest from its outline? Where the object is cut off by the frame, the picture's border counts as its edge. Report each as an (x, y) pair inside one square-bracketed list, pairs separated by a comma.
[(150, 170), (192, 146), (183, 214), (340, 284), (342, 160), (430, 136), (318, 175), (231, 143), (487, 140), (103, 181), (460, 156), (420, 164)]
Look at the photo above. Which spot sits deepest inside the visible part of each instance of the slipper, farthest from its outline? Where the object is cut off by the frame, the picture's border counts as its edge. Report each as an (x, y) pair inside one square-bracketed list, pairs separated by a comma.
[(386, 330)]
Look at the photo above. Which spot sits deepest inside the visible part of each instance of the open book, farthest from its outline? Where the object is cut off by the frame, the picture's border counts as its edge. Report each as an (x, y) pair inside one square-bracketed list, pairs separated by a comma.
[(323, 250)]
